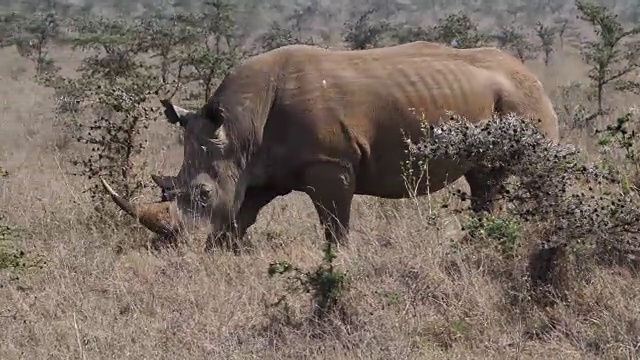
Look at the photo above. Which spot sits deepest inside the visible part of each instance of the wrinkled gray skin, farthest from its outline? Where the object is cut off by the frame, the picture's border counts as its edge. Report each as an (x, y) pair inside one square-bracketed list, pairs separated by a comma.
[(332, 124)]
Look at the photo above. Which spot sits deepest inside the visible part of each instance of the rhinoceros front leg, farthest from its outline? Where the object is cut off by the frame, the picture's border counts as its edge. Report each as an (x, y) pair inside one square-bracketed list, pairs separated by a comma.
[(331, 187), (255, 199), (485, 186)]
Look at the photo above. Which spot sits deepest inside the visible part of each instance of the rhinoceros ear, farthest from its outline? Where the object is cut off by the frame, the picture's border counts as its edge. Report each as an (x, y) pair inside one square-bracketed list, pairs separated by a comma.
[(175, 114), (165, 182)]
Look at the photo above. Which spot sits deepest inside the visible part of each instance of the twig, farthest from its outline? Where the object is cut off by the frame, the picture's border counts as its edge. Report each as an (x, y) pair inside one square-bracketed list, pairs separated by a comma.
[(75, 325)]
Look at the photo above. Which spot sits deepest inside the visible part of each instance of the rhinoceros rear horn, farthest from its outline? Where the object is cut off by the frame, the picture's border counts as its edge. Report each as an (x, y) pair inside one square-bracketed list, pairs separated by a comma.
[(174, 114), (157, 217)]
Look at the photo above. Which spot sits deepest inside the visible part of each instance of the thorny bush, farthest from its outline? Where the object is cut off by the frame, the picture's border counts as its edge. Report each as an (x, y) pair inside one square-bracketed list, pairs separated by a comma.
[(112, 88), (14, 262), (326, 284), (577, 208)]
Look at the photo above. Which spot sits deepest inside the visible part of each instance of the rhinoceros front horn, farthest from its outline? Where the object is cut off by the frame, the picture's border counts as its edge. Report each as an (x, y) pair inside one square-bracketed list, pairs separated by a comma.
[(157, 217)]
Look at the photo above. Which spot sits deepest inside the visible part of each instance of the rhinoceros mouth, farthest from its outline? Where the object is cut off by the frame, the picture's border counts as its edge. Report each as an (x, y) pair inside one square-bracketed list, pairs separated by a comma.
[(160, 217)]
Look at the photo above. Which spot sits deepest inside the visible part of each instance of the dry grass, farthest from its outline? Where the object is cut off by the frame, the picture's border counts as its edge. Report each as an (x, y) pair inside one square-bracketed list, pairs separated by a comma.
[(98, 296)]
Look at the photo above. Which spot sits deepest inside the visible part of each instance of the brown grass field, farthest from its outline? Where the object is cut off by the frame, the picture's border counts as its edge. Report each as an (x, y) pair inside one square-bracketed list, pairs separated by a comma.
[(99, 296)]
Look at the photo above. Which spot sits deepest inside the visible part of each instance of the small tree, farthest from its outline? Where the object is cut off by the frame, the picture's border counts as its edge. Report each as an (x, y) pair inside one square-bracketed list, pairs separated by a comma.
[(405, 33), (10, 25), (513, 39), (32, 35), (278, 36), (363, 33), (612, 56), (456, 30), (214, 50), (460, 31), (546, 34), (165, 37), (300, 20), (561, 26)]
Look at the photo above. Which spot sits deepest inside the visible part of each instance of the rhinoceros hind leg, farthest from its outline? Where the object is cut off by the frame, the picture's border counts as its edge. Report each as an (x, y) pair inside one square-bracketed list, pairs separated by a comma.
[(485, 186), (331, 187)]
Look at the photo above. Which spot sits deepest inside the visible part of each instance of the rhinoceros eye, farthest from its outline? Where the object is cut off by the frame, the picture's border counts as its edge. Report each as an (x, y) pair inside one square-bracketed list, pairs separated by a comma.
[(204, 141)]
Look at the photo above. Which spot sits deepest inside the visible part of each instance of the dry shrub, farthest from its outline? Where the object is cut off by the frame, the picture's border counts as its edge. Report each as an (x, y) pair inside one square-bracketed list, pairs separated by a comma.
[(575, 215)]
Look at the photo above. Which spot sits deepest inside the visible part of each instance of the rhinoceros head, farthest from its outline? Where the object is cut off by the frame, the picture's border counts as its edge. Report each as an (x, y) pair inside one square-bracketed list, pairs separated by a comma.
[(205, 187)]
